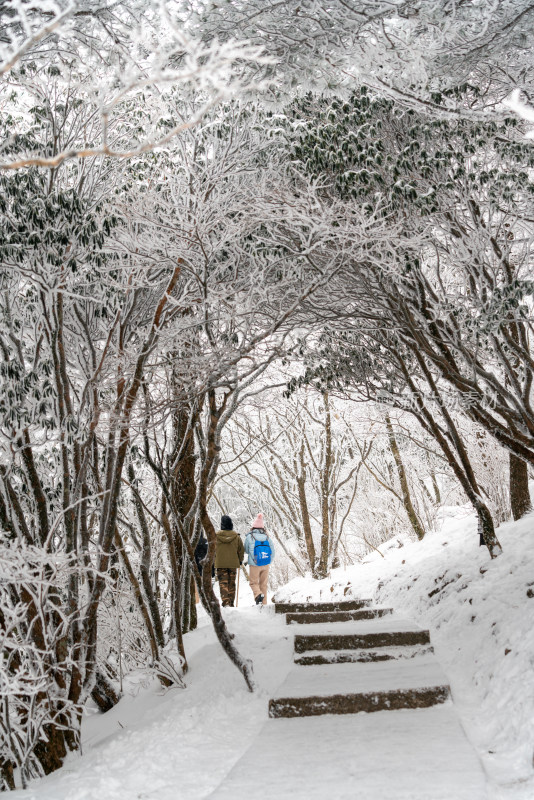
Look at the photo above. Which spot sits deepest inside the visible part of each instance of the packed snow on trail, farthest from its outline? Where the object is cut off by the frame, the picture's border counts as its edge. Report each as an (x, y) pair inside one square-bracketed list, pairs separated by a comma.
[(181, 743)]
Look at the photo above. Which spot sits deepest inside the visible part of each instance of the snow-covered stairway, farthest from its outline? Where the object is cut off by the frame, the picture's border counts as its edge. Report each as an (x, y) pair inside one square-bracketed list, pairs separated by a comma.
[(315, 743), (339, 648)]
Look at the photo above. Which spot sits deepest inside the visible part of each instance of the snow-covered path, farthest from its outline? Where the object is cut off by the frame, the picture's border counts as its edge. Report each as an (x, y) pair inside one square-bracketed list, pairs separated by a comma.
[(213, 739), (405, 754), (417, 754)]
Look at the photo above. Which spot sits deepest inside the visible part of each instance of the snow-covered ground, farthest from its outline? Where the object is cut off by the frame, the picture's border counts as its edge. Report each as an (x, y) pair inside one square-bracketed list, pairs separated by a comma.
[(181, 743)]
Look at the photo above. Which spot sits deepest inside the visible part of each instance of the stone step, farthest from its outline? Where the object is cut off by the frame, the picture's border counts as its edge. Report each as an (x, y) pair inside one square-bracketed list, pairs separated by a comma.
[(340, 605), (349, 688), (422, 697), (361, 656), (311, 617), (359, 641)]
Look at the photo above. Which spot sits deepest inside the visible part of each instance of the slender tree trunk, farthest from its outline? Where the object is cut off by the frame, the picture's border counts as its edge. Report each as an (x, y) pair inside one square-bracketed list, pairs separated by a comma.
[(435, 485), (175, 594), (403, 480), (185, 585), (144, 566), (304, 511), (518, 469), (326, 528), (203, 580), (126, 398), (519, 493), (183, 493), (193, 616), (211, 604), (119, 544)]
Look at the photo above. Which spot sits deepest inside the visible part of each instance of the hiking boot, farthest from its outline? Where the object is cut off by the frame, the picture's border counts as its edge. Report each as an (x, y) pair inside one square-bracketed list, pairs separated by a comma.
[(259, 599)]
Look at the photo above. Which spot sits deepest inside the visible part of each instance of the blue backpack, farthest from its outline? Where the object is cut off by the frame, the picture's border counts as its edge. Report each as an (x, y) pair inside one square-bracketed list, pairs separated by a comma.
[(262, 552)]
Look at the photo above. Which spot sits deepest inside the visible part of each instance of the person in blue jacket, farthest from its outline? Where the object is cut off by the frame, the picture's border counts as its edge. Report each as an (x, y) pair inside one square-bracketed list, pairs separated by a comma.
[(260, 551)]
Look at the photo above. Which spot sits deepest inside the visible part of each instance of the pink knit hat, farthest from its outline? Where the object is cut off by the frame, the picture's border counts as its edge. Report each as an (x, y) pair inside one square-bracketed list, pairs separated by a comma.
[(258, 522)]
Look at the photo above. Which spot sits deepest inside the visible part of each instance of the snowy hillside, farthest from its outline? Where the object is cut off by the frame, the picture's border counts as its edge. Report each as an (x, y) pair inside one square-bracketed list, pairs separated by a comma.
[(181, 743)]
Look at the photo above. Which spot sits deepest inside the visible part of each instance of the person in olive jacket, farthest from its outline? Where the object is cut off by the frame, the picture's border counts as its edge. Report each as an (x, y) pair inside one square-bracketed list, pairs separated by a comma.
[(229, 555)]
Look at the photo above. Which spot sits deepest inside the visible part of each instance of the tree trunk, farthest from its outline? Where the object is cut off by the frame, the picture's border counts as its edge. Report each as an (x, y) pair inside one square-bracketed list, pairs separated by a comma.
[(144, 565), (486, 529), (519, 493), (435, 485), (175, 594), (304, 512), (211, 604), (183, 493), (6, 771), (104, 693), (143, 609), (51, 751), (193, 617), (124, 405), (326, 531), (405, 489)]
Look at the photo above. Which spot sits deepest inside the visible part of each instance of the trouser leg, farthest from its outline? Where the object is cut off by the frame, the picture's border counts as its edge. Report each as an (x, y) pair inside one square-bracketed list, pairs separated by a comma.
[(222, 577), (254, 580), (231, 586), (264, 579), (226, 578)]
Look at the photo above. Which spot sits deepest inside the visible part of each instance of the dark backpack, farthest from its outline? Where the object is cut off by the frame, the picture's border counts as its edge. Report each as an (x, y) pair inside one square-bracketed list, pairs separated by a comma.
[(262, 552)]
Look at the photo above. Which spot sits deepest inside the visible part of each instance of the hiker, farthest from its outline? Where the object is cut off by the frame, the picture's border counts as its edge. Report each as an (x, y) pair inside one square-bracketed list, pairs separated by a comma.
[(228, 558), (260, 552), (201, 551)]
